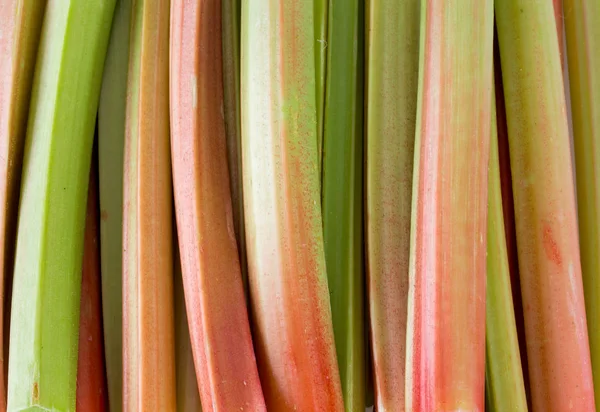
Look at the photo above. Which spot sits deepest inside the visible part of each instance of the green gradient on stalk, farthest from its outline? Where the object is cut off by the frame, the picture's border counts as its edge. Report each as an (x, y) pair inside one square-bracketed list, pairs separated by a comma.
[(321, 8), (505, 390), (111, 144), (342, 195), (582, 23), (47, 288)]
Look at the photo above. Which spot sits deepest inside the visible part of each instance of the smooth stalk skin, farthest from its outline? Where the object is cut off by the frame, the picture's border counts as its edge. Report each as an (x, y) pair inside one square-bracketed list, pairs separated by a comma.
[(230, 17), (111, 146), (20, 26), (293, 329), (392, 81), (47, 284), (91, 377), (188, 397), (558, 17), (546, 222), (504, 375), (148, 325), (582, 23), (321, 19), (342, 194), (224, 358), (445, 356)]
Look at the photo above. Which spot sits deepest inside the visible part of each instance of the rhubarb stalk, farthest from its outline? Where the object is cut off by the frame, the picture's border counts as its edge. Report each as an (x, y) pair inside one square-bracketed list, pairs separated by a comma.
[(111, 145), (216, 308), (504, 374), (91, 378), (342, 195), (288, 282), (545, 216), (47, 283), (321, 10), (391, 115), (582, 23), (446, 301), (148, 330), (20, 26)]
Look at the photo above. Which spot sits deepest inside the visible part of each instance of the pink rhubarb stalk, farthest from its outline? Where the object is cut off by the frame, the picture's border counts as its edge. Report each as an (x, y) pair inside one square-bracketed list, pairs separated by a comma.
[(446, 304)]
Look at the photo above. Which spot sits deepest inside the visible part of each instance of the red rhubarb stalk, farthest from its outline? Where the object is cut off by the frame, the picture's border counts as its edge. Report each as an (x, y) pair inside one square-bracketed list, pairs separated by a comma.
[(446, 304), (219, 328)]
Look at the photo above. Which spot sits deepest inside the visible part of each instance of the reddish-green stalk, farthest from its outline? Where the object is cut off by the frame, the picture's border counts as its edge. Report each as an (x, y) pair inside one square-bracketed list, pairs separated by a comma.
[(288, 281), (219, 328), (91, 378), (582, 23), (545, 215), (20, 25), (148, 330), (392, 82), (446, 303)]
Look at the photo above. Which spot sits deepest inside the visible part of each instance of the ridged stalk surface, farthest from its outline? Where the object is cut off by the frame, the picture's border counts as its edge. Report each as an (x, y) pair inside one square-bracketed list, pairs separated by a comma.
[(293, 330), (445, 363), (545, 215), (216, 307)]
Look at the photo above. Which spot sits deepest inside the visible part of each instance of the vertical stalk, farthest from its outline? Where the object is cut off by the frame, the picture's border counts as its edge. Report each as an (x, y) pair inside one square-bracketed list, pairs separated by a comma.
[(582, 22), (445, 364), (91, 378), (20, 26), (51, 223), (392, 64), (546, 221), (148, 341), (504, 374), (216, 307), (342, 194), (321, 9), (288, 281)]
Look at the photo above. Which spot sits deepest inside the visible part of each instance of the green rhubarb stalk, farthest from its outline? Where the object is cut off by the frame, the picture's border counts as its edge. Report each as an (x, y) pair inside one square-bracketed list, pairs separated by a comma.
[(445, 357), (20, 26), (148, 325), (505, 389), (342, 194), (392, 64), (321, 47), (230, 11), (188, 397), (545, 212), (224, 357), (582, 23), (288, 282), (46, 290), (111, 144)]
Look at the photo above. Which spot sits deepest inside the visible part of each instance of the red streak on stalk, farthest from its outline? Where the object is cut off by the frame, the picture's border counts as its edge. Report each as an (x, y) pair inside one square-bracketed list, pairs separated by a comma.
[(224, 358), (91, 380), (446, 343)]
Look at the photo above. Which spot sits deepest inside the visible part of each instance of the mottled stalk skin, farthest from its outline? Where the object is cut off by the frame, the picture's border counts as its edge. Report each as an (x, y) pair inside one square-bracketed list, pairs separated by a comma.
[(582, 22), (342, 193), (559, 20), (188, 397), (42, 373), (546, 223), (288, 282), (91, 378), (216, 307), (445, 354), (505, 390), (20, 26), (393, 63), (230, 18), (111, 147), (148, 329)]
